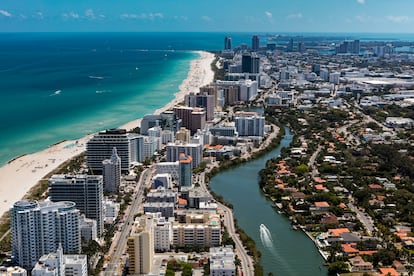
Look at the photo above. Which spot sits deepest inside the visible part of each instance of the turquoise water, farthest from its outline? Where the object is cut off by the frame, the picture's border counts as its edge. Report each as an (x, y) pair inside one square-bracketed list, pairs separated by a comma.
[(54, 88), (284, 251)]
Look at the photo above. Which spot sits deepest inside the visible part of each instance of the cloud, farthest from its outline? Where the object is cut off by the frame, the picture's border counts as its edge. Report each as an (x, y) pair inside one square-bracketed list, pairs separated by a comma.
[(150, 16), (268, 14), (90, 14), (361, 1), (295, 16), (206, 18), (180, 17), (71, 15), (399, 18), (5, 13), (39, 14)]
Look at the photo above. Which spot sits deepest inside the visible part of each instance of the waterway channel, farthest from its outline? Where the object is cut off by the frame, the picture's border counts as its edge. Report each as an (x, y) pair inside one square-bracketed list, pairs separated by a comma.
[(284, 251)]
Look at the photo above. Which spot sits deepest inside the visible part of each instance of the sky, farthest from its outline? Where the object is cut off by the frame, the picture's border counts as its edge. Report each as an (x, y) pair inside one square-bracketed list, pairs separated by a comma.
[(334, 16)]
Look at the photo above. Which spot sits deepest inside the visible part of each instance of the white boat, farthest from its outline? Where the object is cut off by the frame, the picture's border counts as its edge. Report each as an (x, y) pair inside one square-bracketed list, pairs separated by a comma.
[(265, 236)]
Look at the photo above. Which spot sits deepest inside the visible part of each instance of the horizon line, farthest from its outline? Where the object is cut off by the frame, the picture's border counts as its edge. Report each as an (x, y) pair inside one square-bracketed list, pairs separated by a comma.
[(213, 32)]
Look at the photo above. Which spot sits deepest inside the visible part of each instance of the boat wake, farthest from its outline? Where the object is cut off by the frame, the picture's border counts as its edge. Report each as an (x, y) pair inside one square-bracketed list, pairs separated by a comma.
[(102, 91), (57, 92), (265, 236), (96, 77), (267, 241)]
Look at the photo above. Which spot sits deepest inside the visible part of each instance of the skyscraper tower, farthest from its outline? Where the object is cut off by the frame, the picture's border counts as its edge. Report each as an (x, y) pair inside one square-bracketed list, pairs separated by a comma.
[(112, 172), (38, 229), (255, 43), (185, 170), (290, 46), (141, 246), (246, 63), (85, 190), (255, 64), (301, 47), (227, 43), (100, 146)]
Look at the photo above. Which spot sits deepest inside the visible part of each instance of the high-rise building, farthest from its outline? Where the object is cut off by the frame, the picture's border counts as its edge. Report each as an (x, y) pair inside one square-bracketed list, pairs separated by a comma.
[(193, 150), (100, 148), (154, 135), (141, 246), (183, 135), (255, 65), (324, 74), (271, 46), (185, 171), (334, 77), (248, 90), (210, 90), (227, 43), (249, 124), (136, 147), (38, 228), (150, 146), (255, 43), (289, 47), (85, 190), (184, 113), (349, 47), (167, 120), (356, 47), (170, 121), (112, 172), (167, 136), (192, 118), (204, 100), (316, 68), (301, 47), (246, 63), (222, 130), (198, 120), (149, 121)]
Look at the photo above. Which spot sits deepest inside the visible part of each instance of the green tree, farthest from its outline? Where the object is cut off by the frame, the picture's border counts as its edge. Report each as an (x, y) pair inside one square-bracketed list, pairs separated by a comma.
[(301, 169), (338, 267)]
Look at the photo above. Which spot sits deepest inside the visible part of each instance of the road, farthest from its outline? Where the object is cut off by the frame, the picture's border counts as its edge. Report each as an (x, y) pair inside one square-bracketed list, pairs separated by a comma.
[(120, 240), (365, 219), (246, 261), (312, 160), (348, 135)]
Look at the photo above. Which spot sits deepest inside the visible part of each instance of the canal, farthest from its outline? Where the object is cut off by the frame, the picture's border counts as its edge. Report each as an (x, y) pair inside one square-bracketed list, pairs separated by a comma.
[(284, 251)]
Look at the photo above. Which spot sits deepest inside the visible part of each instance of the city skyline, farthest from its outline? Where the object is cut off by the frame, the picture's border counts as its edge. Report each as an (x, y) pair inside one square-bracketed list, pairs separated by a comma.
[(339, 16)]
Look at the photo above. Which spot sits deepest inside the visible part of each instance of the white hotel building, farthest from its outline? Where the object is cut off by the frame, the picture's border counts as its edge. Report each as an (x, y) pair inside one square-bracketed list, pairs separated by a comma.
[(38, 228), (249, 124)]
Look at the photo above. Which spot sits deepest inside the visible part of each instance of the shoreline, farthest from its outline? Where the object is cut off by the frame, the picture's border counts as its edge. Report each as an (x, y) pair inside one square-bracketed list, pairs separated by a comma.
[(23, 172)]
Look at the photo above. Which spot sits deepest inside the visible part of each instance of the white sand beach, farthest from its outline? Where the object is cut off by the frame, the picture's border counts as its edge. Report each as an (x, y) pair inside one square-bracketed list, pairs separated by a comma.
[(20, 175)]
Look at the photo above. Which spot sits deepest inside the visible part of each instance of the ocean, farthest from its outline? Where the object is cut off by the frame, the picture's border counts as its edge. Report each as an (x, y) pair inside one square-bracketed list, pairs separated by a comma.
[(57, 86), (62, 86)]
